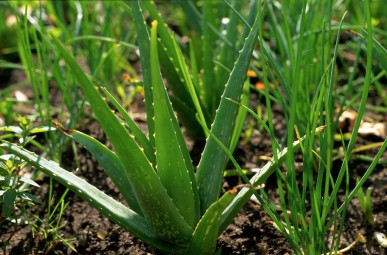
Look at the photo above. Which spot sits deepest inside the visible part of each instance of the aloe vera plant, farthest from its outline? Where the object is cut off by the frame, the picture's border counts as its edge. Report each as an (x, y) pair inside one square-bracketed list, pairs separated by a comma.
[(170, 206)]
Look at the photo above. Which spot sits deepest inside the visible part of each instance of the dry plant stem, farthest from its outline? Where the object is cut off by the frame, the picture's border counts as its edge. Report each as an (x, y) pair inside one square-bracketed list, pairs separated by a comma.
[(360, 238), (241, 186), (361, 148)]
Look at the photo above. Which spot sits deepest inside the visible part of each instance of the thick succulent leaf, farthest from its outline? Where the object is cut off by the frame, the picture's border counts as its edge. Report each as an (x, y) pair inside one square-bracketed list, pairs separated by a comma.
[(173, 75), (134, 129), (253, 10), (206, 233), (188, 162), (210, 170), (114, 210), (143, 39), (209, 87), (194, 65), (226, 56), (185, 114), (154, 200), (110, 163), (184, 105), (244, 195), (172, 167), (176, 60)]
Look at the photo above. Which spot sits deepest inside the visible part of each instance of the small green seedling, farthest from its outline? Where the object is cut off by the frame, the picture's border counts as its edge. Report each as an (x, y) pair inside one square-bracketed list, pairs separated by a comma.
[(24, 132), (365, 203), (13, 186), (15, 198), (46, 229)]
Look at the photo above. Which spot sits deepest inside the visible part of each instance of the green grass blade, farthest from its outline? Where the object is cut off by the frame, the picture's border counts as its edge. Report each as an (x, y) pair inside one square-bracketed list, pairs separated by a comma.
[(171, 71), (110, 163), (269, 208), (213, 161), (241, 116), (100, 38), (117, 212), (206, 233), (194, 66), (155, 203), (358, 185), (361, 110), (244, 195), (380, 53), (174, 174)]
